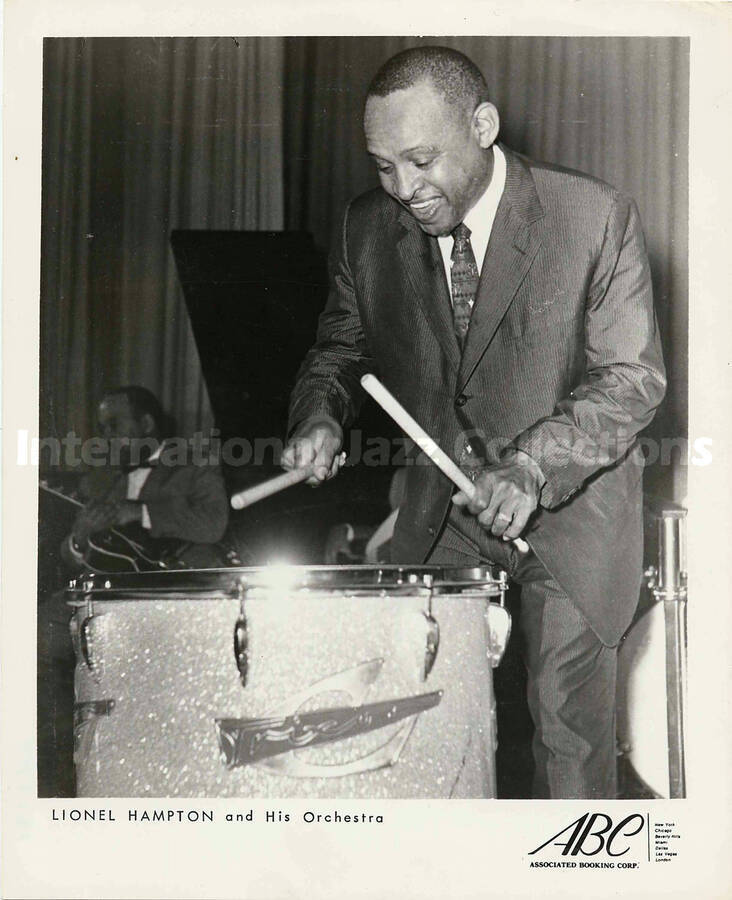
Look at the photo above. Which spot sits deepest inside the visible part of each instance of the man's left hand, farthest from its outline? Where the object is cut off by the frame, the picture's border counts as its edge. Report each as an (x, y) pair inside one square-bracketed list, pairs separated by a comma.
[(128, 511), (505, 495)]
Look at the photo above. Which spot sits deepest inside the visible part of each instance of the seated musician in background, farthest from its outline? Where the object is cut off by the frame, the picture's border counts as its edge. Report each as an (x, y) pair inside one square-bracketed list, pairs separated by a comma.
[(167, 506), (347, 544), (175, 509), (378, 548)]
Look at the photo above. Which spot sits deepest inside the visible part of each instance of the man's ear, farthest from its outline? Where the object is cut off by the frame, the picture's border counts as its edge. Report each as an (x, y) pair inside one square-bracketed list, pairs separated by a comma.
[(148, 423), (486, 123)]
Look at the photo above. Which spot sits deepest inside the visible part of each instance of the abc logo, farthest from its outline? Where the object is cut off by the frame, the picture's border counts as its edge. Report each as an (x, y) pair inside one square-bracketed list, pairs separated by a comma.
[(593, 833)]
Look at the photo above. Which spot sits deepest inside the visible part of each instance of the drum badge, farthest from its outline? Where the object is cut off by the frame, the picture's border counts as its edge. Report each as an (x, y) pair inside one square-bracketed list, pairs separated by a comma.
[(272, 741)]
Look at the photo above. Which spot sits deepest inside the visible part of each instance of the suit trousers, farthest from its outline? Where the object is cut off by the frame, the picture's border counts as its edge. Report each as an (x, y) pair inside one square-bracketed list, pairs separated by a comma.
[(570, 672)]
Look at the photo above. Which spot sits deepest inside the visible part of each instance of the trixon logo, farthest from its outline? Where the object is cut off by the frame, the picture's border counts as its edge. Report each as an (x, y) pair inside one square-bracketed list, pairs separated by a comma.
[(597, 833)]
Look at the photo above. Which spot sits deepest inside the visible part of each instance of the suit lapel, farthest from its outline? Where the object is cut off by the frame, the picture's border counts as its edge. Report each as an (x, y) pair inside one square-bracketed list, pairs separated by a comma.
[(513, 245), (422, 261), (146, 491), (157, 476)]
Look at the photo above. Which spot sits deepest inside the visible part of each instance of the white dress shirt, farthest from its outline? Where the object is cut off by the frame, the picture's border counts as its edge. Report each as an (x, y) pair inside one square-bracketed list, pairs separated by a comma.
[(480, 218), (135, 482)]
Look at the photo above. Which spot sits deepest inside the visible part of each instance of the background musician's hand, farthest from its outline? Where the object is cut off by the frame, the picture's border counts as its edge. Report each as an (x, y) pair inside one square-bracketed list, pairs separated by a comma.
[(316, 442), (98, 515), (128, 511), (506, 495)]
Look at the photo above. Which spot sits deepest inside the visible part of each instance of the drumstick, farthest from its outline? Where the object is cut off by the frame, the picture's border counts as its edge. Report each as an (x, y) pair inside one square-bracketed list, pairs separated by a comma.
[(253, 494), (393, 407), (272, 486)]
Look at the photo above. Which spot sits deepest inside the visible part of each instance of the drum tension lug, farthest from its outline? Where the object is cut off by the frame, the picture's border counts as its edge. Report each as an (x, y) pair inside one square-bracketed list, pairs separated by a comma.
[(241, 654), (85, 640), (432, 642)]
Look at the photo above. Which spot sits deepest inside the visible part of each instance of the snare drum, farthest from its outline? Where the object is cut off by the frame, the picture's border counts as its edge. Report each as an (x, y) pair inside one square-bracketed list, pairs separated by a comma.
[(317, 682)]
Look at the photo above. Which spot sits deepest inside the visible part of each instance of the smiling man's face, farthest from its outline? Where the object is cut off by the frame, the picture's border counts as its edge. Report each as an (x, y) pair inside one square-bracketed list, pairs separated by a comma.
[(431, 158)]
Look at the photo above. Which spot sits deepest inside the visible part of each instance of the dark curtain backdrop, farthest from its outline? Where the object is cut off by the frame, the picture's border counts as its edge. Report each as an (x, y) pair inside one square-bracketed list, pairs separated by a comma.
[(141, 136), (614, 107)]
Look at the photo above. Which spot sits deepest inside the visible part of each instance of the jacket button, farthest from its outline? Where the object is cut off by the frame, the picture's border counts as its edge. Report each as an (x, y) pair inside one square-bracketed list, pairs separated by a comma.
[(431, 531), (461, 400)]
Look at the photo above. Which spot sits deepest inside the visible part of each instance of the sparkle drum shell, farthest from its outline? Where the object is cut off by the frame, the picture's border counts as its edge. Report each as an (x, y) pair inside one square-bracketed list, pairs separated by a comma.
[(317, 682)]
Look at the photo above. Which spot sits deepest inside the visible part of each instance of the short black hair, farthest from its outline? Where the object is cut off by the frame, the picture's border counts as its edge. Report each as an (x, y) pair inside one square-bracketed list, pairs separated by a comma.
[(142, 402), (454, 76)]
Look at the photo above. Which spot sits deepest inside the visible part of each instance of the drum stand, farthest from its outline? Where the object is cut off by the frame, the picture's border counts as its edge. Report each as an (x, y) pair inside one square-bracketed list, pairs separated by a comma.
[(667, 582)]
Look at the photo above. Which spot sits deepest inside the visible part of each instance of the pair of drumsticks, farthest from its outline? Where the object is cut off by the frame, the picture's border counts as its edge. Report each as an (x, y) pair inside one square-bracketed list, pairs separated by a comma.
[(392, 407)]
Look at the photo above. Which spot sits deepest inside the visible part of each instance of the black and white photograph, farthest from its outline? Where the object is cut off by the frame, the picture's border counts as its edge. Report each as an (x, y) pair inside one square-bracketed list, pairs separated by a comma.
[(191, 187), (361, 451)]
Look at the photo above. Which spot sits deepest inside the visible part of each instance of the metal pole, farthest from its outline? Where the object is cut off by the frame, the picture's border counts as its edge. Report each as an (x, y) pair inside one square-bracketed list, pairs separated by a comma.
[(671, 589)]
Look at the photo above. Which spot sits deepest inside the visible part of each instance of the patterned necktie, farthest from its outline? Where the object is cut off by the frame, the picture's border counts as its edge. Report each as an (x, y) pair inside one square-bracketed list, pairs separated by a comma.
[(464, 277)]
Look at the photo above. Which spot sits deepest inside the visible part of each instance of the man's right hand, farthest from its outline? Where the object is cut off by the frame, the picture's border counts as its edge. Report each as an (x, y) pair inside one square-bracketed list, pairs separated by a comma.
[(316, 442)]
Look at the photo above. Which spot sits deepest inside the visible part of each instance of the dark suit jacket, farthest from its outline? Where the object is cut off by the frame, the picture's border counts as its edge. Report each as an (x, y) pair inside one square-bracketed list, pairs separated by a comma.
[(562, 360), (185, 502)]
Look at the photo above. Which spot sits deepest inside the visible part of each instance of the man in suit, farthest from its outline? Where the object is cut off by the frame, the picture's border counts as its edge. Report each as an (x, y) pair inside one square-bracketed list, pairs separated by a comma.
[(184, 503), (507, 304)]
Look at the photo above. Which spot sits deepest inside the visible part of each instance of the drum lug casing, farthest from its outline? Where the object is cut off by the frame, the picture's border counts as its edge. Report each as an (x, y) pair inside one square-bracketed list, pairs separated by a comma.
[(241, 638), (82, 637), (432, 641), (241, 654)]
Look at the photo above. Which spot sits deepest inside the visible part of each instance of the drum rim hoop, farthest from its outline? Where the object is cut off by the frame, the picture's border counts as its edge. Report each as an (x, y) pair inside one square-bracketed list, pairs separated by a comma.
[(229, 581)]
